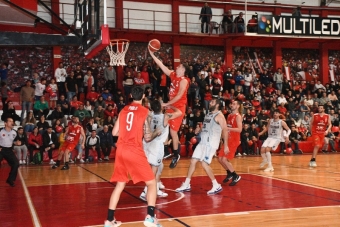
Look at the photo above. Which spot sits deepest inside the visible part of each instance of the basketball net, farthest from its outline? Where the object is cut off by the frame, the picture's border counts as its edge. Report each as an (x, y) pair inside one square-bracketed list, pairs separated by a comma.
[(117, 50)]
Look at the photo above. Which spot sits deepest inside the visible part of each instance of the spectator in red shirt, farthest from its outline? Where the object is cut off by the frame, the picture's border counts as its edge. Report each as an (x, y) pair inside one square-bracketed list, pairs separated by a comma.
[(139, 80), (145, 75), (110, 111), (270, 89), (75, 104), (92, 96), (282, 109), (109, 101)]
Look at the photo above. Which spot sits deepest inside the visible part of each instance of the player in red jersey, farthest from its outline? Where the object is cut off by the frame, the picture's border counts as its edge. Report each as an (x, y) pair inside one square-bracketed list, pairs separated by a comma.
[(321, 125), (234, 124), (178, 98), (131, 126), (72, 133)]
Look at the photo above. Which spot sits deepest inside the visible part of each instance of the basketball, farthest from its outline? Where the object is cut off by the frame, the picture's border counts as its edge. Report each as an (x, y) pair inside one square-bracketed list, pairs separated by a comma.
[(250, 142), (253, 113), (242, 82), (232, 81), (289, 150), (53, 94), (48, 89), (154, 45), (241, 97), (58, 129), (193, 140)]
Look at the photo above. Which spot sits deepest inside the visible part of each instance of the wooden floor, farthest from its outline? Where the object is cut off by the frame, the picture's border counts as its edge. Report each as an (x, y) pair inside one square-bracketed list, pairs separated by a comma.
[(294, 195)]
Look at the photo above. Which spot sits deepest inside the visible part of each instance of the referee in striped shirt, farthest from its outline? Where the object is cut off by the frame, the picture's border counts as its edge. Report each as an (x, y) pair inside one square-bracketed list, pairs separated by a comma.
[(7, 136)]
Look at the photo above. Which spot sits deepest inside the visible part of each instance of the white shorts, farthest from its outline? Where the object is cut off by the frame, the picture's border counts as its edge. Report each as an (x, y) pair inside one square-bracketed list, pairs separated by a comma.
[(204, 153), (154, 152), (271, 142)]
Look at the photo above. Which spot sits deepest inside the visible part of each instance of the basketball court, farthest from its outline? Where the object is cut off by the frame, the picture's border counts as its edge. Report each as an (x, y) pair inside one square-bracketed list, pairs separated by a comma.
[(294, 195)]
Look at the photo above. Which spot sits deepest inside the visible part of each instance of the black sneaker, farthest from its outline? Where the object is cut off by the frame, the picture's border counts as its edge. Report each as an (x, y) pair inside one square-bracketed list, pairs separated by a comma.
[(11, 183), (228, 178), (174, 161), (235, 180), (325, 152), (167, 155), (65, 167), (55, 166)]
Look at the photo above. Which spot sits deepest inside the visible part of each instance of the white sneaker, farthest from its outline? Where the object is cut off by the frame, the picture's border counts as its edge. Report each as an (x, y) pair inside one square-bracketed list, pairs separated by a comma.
[(245, 154), (161, 194), (161, 186), (71, 161), (24, 162), (215, 189), (312, 164), (184, 188), (143, 196), (238, 155), (81, 161), (263, 164), (113, 223), (52, 162), (20, 162), (269, 169)]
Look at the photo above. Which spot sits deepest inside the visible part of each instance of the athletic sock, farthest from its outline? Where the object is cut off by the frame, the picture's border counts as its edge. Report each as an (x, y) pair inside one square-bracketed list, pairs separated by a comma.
[(264, 156), (110, 215), (312, 160), (151, 211), (228, 172), (175, 152), (214, 182), (234, 174), (187, 181), (269, 158)]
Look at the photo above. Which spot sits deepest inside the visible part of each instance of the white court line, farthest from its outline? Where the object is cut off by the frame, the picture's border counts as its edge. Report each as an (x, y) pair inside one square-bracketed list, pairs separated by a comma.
[(34, 215), (229, 214), (294, 182)]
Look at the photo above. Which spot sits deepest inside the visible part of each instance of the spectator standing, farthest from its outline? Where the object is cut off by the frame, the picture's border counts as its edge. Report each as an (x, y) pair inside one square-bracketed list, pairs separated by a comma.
[(26, 98), (88, 82), (297, 12), (21, 149), (95, 73), (39, 89), (248, 80), (79, 75), (278, 78), (54, 88), (60, 75), (4, 72), (4, 93), (9, 111), (239, 23), (227, 22), (127, 84), (205, 17), (71, 86), (106, 142), (252, 24), (110, 78)]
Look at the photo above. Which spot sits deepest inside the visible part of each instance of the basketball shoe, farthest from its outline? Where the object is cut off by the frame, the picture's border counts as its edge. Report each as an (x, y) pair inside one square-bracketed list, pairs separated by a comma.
[(162, 194), (184, 188), (143, 196), (151, 221), (269, 169), (161, 185), (235, 180), (174, 162), (312, 164), (113, 223), (228, 178), (215, 189)]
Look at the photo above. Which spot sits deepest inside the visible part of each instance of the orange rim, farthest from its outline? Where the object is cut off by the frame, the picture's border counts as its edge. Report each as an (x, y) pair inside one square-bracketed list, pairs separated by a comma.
[(119, 41)]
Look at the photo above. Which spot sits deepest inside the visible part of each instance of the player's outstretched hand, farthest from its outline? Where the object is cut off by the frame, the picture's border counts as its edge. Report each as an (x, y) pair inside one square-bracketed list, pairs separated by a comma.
[(226, 150)]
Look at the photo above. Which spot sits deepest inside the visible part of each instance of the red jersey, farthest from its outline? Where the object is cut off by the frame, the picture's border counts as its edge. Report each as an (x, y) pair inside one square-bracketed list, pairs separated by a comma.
[(139, 81), (233, 137), (174, 89), (131, 123), (73, 135), (320, 123), (75, 104), (92, 95), (163, 80)]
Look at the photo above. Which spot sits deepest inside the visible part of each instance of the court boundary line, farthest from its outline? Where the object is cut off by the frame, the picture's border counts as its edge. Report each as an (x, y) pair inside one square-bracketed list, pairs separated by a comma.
[(165, 213), (34, 215), (233, 213)]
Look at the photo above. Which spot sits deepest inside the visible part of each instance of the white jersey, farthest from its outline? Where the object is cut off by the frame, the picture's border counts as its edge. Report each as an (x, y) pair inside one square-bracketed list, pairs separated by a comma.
[(157, 122), (275, 129), (211, 131)]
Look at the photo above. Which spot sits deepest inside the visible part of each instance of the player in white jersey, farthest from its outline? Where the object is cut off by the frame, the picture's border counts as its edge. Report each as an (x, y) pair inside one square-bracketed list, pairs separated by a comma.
[(154, 150), (275, 133), (213, 125)]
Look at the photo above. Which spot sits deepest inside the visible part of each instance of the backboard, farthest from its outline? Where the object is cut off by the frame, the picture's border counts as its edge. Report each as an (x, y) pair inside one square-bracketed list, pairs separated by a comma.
[(91, 21)]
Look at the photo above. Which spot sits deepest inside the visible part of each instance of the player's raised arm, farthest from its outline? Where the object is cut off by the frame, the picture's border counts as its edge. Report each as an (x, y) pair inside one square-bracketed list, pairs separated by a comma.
[(160, 64)]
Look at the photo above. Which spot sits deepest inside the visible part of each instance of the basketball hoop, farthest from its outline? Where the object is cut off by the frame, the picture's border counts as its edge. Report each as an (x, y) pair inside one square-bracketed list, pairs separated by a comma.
[(117, 50)]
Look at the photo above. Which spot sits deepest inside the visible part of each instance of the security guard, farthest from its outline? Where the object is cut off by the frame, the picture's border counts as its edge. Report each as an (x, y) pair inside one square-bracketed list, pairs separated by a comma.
[(7, 136)]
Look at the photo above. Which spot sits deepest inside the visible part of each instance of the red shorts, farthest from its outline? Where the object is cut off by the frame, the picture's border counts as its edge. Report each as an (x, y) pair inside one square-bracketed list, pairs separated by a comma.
[(318, 140), (131, 161), (68, 146), (176, 123), (232, 150)]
